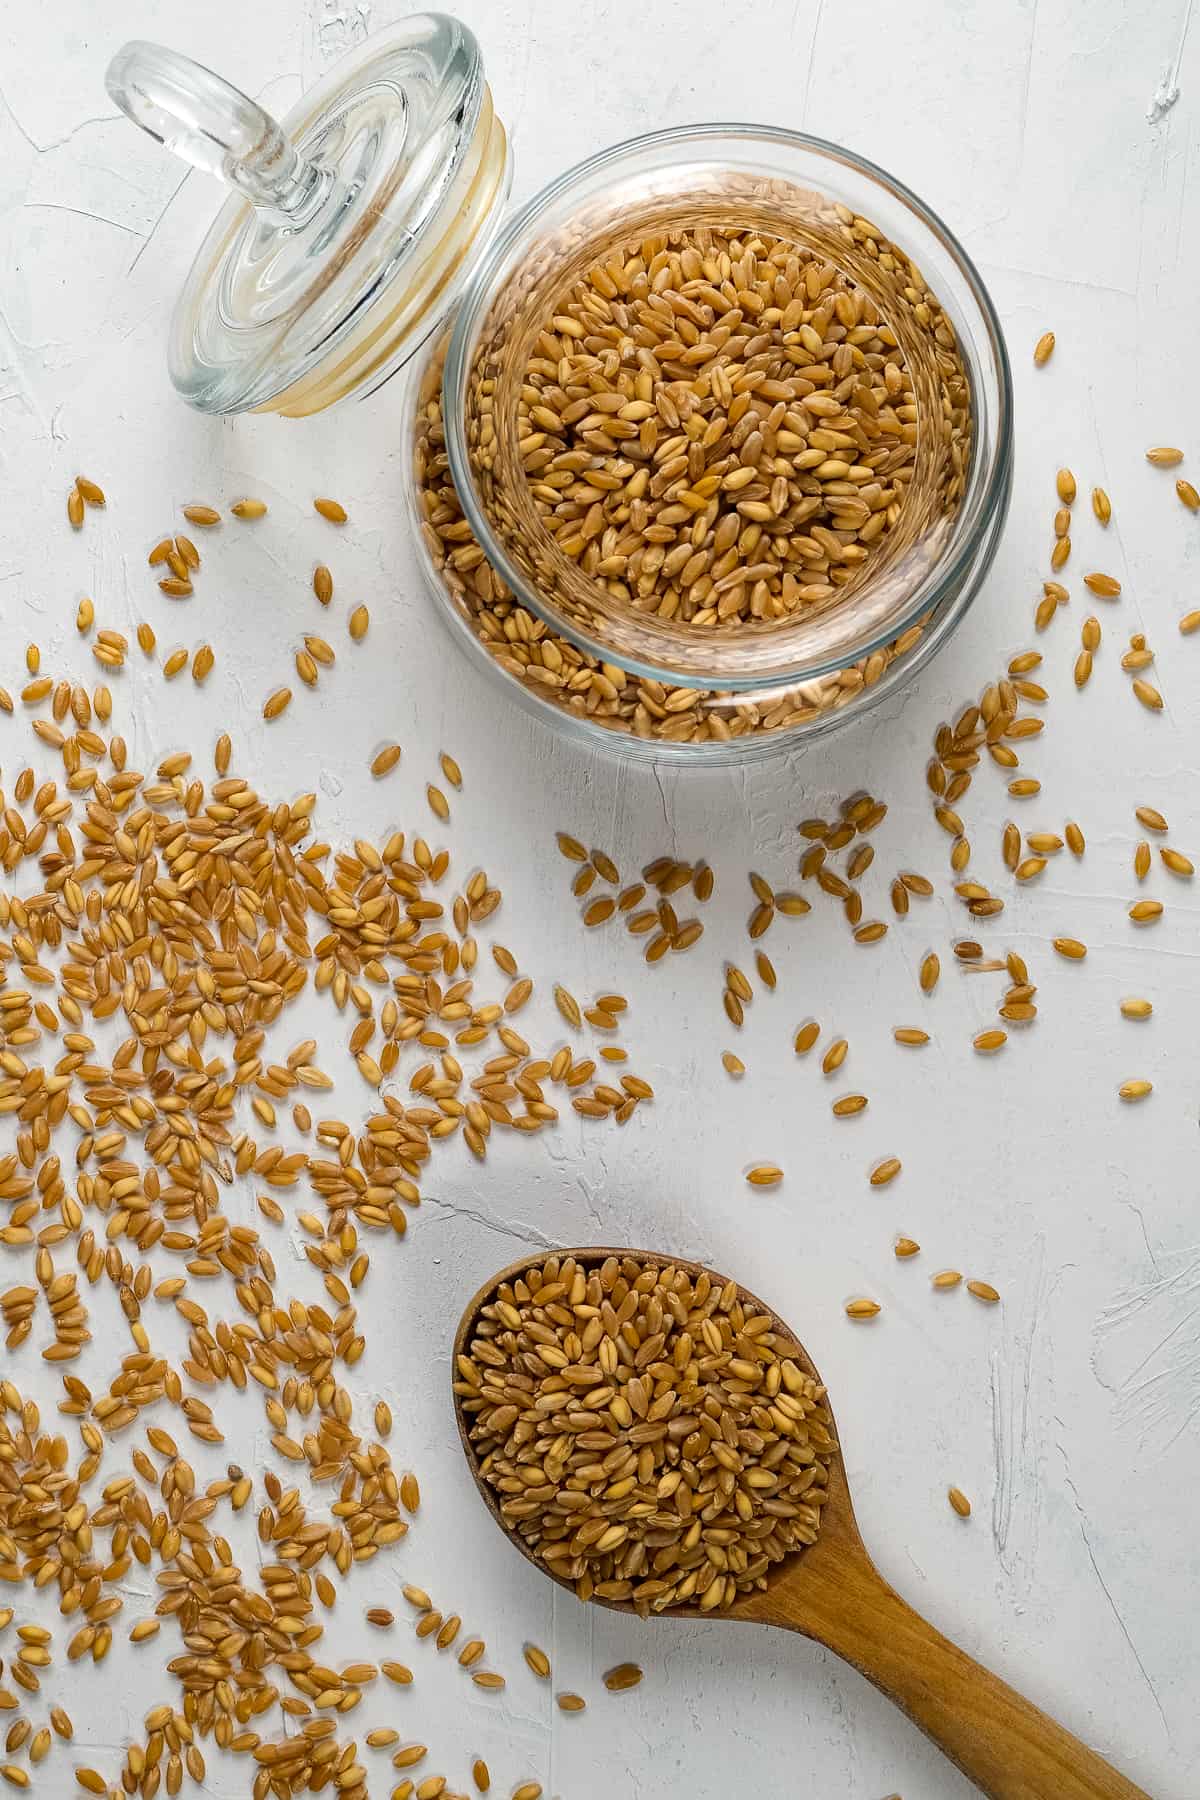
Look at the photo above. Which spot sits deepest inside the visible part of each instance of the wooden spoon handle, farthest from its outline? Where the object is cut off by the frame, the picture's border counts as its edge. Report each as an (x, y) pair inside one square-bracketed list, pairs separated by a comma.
[(1006, 1746)]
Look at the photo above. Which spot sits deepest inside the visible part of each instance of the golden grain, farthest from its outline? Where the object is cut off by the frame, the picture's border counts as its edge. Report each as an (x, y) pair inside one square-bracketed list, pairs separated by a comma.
[(333, 510), (568, 1006), (1071, 948), (885, 1171), (623, 1677), (360, 620), (862, 1309), (946, 1278), (764, 1175), (1164, 457), (1043, 350), (737, 983), (1146, 912), (385, 760), (277, 703), (410, 1756), (905, 1247), (1134, 1008), (959, 1502), (849, 1105), (871, 932), (1135, 1090), (760, 919)]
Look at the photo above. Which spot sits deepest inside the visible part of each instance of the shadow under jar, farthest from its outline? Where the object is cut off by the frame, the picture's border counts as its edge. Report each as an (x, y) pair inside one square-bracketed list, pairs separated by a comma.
[(707, 462)]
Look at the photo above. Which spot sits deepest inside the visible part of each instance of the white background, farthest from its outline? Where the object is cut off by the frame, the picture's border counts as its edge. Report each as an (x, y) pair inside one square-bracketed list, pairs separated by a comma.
[(1069, 1413)]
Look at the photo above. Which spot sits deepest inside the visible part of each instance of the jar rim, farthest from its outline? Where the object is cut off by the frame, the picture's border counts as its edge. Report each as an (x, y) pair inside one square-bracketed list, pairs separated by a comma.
[(989, 479)]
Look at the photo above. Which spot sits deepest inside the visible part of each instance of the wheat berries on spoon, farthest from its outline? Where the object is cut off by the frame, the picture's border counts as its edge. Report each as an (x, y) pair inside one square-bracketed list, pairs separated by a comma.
[(684, 1448), (653, 1437)]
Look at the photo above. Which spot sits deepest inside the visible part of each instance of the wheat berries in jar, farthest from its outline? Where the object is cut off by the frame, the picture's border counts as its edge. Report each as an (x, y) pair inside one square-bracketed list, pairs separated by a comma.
[(713, 445), (707, 462)]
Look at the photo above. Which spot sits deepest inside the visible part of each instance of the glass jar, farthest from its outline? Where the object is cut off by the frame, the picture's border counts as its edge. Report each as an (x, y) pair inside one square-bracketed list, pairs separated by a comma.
[(369, 227)]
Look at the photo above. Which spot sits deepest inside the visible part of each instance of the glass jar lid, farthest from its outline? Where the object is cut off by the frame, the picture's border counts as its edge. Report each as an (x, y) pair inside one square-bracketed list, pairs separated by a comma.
[(352, 226)]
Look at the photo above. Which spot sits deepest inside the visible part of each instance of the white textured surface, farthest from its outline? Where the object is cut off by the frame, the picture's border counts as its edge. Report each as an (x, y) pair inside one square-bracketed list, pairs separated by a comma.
[(1047, 136)]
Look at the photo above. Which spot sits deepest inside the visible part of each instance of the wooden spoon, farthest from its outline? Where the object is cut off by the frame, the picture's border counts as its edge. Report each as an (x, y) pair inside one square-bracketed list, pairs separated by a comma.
[(833, 1593)]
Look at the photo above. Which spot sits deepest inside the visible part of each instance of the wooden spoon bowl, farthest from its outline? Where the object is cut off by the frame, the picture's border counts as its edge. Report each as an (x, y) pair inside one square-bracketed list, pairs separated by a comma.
[(833, 1593)]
